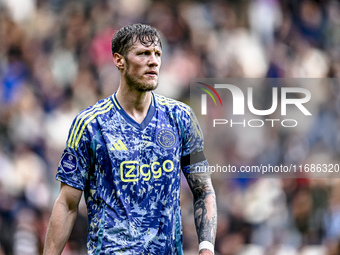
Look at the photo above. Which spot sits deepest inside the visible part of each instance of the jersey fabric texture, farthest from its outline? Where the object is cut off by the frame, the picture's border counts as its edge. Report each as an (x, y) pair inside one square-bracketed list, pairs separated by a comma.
[(130, 174)]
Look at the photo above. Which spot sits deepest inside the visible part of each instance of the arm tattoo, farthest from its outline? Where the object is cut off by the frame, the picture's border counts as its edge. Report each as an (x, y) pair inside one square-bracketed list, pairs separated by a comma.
[(205, 211)]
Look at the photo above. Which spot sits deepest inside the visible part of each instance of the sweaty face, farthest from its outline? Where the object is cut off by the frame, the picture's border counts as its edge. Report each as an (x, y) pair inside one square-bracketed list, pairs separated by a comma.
[(142, 67)]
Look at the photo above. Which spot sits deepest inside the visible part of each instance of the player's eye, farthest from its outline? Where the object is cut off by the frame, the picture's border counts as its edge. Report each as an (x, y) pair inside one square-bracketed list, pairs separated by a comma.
[(144, 53)]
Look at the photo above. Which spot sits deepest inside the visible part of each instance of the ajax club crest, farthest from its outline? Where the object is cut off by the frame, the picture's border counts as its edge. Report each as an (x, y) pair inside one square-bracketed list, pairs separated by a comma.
[(166, 138)]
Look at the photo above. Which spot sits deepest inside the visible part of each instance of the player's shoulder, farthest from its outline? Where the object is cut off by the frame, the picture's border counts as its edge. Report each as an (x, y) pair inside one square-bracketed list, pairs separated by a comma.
[(87, 118), (169, 104), (97, 108), (100, 108)]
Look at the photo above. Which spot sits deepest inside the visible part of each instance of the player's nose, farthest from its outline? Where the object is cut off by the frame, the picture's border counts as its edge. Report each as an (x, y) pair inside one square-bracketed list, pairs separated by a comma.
[(154, 60)]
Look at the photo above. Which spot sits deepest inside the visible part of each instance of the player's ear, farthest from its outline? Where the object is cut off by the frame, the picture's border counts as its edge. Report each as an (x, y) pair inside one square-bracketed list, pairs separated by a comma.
[(119, 61)]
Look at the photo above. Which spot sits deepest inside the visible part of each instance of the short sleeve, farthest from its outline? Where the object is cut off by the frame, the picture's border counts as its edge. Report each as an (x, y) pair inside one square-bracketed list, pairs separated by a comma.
[(75, 160), (193, 158)]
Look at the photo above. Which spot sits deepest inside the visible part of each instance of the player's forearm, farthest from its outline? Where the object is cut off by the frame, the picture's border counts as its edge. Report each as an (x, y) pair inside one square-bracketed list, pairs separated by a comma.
[(59, 228), (205, 214), (205, 210)]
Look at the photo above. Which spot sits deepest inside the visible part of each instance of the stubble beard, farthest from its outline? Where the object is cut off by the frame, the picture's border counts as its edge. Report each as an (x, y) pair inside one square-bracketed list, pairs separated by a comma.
[(133, 83)]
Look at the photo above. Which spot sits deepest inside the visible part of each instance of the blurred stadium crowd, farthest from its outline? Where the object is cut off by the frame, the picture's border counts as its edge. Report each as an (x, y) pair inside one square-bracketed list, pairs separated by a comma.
[(55, 60)]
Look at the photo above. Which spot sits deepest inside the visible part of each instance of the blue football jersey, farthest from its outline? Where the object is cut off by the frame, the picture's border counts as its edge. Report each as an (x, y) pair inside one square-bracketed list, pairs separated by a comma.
[(130, 174)]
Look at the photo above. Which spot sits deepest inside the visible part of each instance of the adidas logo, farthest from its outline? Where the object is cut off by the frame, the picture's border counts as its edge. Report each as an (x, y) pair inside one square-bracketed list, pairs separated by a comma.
[(119, 146)]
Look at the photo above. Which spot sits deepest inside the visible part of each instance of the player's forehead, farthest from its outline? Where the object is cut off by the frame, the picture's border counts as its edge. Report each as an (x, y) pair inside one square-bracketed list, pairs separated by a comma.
[(138, 46)]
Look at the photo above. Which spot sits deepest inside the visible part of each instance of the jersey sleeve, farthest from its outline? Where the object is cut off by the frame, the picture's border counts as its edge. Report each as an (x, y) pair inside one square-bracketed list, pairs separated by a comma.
[(75, 160), (193, 159)]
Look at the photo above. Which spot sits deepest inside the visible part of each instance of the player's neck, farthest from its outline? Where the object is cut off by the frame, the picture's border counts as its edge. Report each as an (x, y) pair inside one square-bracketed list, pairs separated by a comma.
[(135, 103)]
